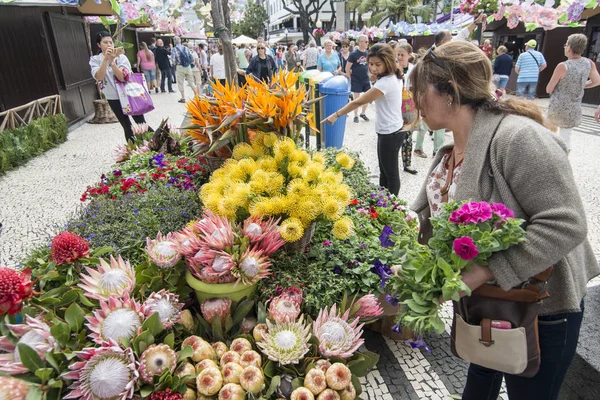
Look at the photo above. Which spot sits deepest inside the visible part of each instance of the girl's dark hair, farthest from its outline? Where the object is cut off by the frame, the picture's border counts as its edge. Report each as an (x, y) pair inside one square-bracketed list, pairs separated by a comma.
[(101, 35), (387, 55)]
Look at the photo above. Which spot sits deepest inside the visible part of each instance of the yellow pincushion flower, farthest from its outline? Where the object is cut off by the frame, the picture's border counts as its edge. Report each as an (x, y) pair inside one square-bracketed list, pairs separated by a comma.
[(275, 183), (241, 194), (343, 228), (268, 164), (313, 172), (298, 187), (291, 229), (242, 150), (343, 194), (258, 182), (235, 173), (285, 147), (221, 173), (212, 202), (306, 210), (270, 139), (279, 205), (345, 160), (294, 170), (258, 140), (299, 156), (248, 165), (261, 207), (332, 208), (318, 157), (258, 150)]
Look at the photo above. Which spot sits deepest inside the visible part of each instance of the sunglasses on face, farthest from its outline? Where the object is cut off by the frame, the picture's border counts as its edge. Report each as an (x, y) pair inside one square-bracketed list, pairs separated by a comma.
[(435, 58), (261, 48)]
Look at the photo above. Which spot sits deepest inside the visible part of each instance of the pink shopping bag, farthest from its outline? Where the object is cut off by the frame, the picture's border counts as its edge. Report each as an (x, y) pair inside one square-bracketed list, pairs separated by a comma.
[(134, 95)]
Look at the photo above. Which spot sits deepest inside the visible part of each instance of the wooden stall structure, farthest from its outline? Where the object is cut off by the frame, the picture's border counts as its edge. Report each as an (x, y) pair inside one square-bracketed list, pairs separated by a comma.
[(46, 53), (592, 31)]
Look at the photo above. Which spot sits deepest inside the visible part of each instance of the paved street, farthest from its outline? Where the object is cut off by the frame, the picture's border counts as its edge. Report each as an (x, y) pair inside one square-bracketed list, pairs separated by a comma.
[(39, 197)]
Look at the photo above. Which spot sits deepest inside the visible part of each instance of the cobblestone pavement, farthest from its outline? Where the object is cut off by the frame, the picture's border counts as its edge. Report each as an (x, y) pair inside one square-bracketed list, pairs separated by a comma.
[(41, 195)]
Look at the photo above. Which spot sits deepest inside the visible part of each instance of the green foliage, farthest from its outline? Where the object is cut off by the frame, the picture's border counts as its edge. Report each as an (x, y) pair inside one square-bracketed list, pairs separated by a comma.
[(253, 23), (126, 222), (17, 146)]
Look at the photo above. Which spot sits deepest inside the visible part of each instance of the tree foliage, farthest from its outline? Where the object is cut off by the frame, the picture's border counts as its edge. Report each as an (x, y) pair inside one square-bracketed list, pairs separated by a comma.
[(253, 23), (307, 12)]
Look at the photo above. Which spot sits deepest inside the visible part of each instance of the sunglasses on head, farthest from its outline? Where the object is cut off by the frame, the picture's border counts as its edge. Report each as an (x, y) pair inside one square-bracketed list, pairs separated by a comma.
[(435, 58)]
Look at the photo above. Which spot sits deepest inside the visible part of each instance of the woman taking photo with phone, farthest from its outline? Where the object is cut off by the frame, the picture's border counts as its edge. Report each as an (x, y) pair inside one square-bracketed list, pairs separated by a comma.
[(387, 95), (108, 65)]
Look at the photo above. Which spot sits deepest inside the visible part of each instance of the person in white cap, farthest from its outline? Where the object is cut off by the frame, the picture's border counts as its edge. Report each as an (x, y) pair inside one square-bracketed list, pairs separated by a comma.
[(529, 65)]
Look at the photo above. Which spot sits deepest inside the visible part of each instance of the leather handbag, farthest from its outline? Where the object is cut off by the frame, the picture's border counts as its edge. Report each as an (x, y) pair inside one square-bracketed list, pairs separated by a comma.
[(513, 349)]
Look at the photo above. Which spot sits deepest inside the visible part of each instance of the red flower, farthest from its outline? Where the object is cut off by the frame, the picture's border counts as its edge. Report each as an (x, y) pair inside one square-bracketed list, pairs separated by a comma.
[(166, 394), (15, 286), (465, 248), (354, 202), (67, 247), (373, 212)]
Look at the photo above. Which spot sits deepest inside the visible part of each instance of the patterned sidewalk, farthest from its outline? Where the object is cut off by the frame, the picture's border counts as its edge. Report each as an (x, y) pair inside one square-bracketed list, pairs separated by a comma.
[(41, 195)]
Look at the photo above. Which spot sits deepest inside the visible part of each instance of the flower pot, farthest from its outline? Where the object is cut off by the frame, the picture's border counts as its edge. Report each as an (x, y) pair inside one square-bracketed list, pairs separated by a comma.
[(300, 244), (219, 290)]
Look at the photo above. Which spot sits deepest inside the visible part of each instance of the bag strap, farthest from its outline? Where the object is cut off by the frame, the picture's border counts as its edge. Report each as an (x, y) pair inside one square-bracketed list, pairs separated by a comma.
[(534, 59)]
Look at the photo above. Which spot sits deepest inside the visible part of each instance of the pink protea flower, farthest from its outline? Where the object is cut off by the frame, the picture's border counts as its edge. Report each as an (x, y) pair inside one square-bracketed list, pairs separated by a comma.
[(164, 250), (15, 286), (337, 338), (116, 318), (208, 276), (212, 307), (117, 278), (367, 307), (166, 304), (106, 372), (156, 359), (465, 248), (13, 389), (282, 309), (215, 232), (293, 294), (253, 266), (121, 154), (217, 261), (34, 333), (67, 247), (144, 148), (286, 342), (139, 129), (264, 234), (188, 242)]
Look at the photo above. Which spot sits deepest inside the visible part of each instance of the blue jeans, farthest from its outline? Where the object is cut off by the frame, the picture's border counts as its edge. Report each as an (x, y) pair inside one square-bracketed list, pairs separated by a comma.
[(526, 89), (558, 335)]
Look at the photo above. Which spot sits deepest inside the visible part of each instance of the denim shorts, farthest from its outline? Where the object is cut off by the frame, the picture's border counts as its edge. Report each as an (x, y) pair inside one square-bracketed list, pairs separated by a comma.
[(501, 81), (150, 74)]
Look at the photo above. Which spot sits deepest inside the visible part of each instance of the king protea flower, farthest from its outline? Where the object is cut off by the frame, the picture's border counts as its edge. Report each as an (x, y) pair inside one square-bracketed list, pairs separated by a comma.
[(282, 309), (188, 242), (367, 307), (215, 232), (67, 247), (156, 359), (13, 389), (293, 294), (121, 154), (253, 266), (116, 318), (116, 278), (105, 373), (286, 342), (163, 251), (337, 338), (265, 234), (15, 286), (212, 307), (34, 333), (139, 129), (166, 304)]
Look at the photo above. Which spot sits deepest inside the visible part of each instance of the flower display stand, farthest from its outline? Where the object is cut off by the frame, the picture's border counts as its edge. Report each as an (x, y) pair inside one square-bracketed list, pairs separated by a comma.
[(300, 244), (219, 290), (385, 324)]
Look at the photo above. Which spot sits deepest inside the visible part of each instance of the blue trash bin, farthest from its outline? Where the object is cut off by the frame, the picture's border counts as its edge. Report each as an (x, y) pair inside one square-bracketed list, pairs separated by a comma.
[(336, 91)]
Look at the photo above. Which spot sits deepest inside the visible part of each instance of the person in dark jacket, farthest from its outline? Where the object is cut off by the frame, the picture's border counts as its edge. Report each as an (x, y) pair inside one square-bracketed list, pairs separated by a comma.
[(262, 67), (503, 65), (162, 60)]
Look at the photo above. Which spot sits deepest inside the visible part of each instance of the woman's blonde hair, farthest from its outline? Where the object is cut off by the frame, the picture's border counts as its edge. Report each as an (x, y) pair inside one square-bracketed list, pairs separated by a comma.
[(144, 46), (461, 70), (406, 47)]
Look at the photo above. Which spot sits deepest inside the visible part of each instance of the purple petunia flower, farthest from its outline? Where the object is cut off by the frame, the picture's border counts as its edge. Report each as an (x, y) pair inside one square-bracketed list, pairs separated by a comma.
[(397, 328), (391, 300), (157, 161), (417, 343), (502, 211), (382, 271), (465, 248), (337, 270), (473, 212), (384, 238)]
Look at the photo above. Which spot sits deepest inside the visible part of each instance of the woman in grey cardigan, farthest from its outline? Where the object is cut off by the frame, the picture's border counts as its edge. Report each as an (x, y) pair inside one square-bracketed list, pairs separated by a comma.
[(503, 153)]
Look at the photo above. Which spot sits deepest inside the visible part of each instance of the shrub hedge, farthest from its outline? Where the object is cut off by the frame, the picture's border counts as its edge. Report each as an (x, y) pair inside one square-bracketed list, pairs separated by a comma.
[(17, 146)]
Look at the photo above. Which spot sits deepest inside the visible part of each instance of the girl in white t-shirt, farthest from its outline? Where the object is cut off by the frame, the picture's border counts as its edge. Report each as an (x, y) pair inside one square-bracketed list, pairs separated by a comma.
[(387, 95)]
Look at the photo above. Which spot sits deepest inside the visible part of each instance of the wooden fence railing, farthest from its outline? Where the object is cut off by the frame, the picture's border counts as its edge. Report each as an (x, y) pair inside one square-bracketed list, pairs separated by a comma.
[(23, 115)]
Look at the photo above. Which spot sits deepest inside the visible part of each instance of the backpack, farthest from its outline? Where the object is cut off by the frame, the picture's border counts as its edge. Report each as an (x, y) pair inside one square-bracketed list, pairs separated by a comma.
[(185, 57)]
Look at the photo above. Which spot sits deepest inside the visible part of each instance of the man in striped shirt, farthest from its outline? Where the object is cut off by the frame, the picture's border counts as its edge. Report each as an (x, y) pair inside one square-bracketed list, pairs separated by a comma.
[(529, 65)]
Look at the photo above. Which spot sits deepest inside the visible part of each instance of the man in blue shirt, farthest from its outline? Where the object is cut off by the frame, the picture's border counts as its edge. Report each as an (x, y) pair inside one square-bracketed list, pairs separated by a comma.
[(529, 65)]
